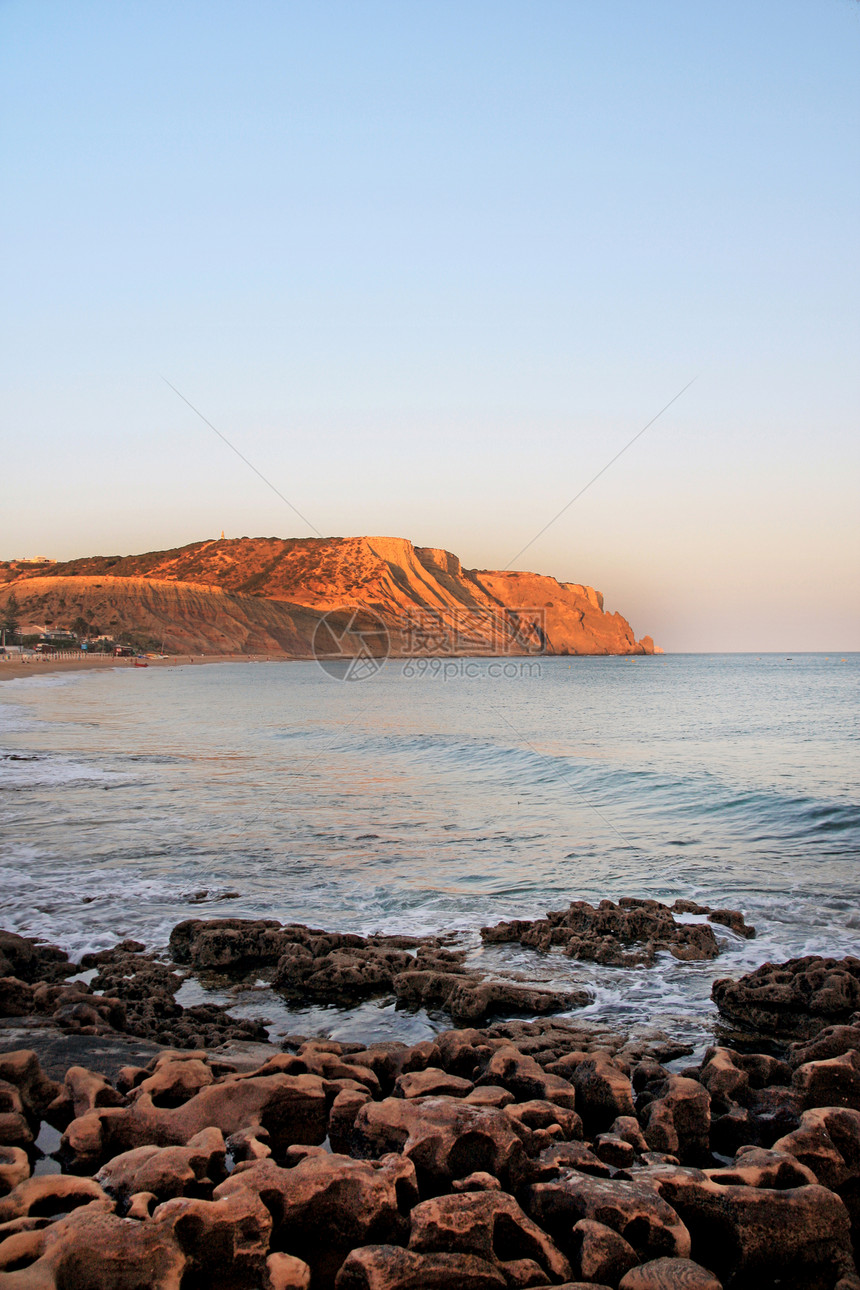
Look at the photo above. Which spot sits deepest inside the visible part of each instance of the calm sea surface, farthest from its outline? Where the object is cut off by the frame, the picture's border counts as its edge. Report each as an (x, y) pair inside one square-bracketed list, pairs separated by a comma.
[(131, 799)]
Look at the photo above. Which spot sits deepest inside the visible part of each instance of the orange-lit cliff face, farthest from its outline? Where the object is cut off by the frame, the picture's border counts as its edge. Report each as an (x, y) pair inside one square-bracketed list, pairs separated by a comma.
[(266, 595)]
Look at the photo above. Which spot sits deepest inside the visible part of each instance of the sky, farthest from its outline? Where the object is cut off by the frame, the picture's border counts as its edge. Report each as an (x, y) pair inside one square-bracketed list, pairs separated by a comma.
[(429, 268)]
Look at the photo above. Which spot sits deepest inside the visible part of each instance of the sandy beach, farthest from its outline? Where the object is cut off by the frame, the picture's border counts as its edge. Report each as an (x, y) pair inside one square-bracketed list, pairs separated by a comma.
[(13, 671)]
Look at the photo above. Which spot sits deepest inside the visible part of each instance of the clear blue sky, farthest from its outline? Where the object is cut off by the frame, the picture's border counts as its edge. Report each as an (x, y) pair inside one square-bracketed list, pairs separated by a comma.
[(429, 266)]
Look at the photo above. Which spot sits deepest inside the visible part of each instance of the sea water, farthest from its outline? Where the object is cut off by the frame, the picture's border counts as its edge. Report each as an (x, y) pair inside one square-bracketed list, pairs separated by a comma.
[(435, 799)]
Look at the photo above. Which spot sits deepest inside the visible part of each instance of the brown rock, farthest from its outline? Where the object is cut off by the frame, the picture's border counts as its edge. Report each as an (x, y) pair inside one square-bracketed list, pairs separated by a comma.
[(351, 1202), (625, 934), (827, 1143), (477, 1182), (600, 1253), (678, 1121), (603, 1091), (538, 1114), (175, 1079), (225, 1240), (22, 1069), (14, 1128), (632, 1209), (800, 997), (733, 919), (30, 960), (16, 997), (341, 1124), (488, 1224), (431, 1082), (291, 1108), (800, 1234), (670, 1274), (523, 1077), (464, 1052), (832, 1041), (755, 1167), (614, 1151), (167, 1171), (568, 1155), (627, 1128), (50, 1194), (140, 1205), (285, 1272), (386, 1267), (14, 1168), (490, 1095), (93, 1249), (446, 1138), (834, 1081)]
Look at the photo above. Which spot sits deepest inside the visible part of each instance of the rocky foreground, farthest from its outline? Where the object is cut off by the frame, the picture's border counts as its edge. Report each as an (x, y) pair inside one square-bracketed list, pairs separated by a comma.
[(522, 1153)]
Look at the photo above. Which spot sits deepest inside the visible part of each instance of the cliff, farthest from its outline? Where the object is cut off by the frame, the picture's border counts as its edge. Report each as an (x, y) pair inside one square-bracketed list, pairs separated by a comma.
[(267, 595)]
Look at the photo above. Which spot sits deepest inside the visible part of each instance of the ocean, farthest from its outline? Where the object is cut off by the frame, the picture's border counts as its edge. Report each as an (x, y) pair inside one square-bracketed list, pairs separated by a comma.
[(434, 797)]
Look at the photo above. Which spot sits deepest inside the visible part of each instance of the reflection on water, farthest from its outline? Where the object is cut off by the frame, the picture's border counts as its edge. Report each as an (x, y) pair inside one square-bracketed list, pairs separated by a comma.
[(423, 805)]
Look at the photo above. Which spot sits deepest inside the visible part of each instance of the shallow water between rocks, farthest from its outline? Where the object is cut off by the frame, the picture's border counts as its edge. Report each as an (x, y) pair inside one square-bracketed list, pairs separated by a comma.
[(131, 799)]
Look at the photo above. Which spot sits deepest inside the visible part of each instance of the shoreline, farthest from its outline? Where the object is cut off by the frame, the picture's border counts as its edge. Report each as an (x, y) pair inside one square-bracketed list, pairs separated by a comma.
[(15, 671)]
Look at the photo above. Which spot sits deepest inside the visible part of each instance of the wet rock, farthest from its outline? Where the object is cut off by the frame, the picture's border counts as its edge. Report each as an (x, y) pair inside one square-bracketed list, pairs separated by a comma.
[(538, 1114), (342, 1117), (600, 1254), (522, 1076), (603, 1091), (291, 1108), (797, 998), (166, 1172), (21, 1068), (756, 1167), (828, 1143), (386, 1267), (799, 1234), (14, 1168), (227, 943), (832, 1041), (670, 1274), (31, 961), (94, 1249), (286, 1272), (352, 1202), (614, 1151), (568, 1155), (51, 1194), (15, 1130), (16, 997), (488, 1224), (225, 1241), (469, 998), (608, 933), (431, 1082), (445, 1138), (678, 1120), (632, 1209), (834, 1081), (732, 919)]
